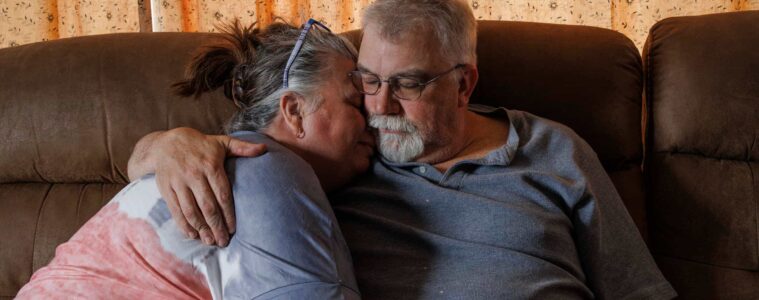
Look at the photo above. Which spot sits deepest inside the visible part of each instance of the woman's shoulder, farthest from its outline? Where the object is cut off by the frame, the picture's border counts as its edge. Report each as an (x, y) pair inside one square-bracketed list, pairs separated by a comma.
[(278, 163)]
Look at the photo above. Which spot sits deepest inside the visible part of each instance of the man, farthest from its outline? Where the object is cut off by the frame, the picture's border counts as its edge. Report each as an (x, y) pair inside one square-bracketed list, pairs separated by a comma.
[(465, 201)]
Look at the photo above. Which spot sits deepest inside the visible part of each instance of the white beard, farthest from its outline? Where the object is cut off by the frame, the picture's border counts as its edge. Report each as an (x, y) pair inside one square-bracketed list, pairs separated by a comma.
[(401, 147)]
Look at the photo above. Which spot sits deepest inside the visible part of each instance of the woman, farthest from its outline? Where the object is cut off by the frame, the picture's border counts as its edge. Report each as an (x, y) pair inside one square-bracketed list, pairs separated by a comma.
[(295, 96)]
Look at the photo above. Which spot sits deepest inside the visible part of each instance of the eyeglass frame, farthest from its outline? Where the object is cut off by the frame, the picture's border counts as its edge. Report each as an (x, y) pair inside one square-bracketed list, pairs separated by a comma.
[(394, 87), (296, 50)]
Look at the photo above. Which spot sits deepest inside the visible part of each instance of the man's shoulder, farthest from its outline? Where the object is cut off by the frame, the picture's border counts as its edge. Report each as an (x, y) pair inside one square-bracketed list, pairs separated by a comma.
[(552, 147), (546, 135), (530, 127)]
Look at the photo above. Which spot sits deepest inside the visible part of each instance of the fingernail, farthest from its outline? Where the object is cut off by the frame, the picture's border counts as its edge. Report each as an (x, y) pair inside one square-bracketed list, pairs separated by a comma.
[(191, 234), (223, 242), (207, 240)]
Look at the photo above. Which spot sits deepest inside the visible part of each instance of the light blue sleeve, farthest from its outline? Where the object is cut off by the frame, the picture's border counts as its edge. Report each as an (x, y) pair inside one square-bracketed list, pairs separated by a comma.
[(614, 256), (288, 244)]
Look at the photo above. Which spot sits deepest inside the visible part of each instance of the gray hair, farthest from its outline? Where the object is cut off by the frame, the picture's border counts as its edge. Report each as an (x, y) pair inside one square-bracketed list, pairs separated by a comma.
[(450, 24), (250, 66)]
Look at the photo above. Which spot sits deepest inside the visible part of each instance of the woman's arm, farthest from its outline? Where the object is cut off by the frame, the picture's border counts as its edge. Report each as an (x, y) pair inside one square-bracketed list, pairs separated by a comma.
[(189, 168)]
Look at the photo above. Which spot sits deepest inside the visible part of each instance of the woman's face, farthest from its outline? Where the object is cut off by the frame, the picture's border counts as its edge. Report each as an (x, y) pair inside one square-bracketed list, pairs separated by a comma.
[(335, 133)]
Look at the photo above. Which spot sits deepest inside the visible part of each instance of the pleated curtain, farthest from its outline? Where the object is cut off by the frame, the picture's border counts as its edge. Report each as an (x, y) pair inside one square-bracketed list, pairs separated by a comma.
[(29, 21)]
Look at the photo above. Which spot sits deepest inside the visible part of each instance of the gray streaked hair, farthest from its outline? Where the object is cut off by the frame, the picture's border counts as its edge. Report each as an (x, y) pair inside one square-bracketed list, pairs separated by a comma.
[(450, 23), (250, 65)]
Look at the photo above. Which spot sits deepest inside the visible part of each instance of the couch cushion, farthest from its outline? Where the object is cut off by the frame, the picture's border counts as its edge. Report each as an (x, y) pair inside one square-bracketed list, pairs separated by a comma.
[(72, 109), (702, 167)]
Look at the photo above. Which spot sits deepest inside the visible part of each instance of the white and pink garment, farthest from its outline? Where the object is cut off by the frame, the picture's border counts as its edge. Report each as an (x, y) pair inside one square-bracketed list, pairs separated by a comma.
[(130, 249), (287, 244)]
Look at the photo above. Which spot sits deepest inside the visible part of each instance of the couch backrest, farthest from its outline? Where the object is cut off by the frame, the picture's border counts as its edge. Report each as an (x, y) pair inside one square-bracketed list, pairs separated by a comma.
[(72, 109), (70, 112), (702, 164)]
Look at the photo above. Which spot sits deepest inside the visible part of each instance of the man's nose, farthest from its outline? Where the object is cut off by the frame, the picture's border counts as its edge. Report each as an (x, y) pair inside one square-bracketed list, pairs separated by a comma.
[(382, 103)]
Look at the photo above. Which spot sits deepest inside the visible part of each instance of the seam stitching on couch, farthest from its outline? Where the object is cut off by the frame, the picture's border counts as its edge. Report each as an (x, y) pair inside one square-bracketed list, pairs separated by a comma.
[(82, 190), (37, 153), (37, 224), (702, 263), (648, 92), (648, 129), (756, 211), (705, 156)]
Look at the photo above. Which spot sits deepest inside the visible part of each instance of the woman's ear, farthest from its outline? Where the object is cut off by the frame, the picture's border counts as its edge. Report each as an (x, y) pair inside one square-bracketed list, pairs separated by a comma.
[(292, 107)]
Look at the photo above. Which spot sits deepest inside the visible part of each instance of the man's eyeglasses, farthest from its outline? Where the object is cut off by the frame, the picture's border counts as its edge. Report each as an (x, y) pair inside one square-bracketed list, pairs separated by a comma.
[(296, 49), (404, 88)]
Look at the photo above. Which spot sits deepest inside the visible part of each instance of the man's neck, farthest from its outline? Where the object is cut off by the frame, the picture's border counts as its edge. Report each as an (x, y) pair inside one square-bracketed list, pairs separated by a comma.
[(480, 135)]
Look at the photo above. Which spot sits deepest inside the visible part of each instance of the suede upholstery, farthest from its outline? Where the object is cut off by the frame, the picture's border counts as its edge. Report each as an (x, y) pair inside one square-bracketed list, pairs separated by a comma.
[(72, 109), (702, 167)]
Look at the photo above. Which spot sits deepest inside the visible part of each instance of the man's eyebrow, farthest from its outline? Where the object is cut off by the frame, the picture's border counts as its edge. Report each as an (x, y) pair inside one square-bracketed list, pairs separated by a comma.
[(416, 73)]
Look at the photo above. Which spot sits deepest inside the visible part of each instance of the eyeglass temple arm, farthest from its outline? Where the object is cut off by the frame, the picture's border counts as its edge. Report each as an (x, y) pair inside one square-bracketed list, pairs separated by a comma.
[(296, 49)]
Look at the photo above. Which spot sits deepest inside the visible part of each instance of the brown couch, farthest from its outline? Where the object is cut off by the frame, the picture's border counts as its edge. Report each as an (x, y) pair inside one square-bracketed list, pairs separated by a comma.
[(72, 109), (702, 162)]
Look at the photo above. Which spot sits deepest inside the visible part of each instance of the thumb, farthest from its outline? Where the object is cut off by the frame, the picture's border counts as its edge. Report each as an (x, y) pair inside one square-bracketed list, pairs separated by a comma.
[(237, 147)]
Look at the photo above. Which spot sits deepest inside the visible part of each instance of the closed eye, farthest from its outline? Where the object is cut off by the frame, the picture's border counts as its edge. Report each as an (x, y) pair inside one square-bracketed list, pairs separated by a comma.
[(408, 83)]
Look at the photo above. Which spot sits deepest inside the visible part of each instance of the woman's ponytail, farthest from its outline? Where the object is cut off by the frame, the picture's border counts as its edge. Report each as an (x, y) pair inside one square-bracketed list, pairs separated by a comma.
[(224, 64)]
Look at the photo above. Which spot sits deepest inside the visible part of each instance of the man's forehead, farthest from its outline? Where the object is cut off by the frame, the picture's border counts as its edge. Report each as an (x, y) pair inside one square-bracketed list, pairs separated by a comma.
[(412, 40), (418, 35), (405, 57)]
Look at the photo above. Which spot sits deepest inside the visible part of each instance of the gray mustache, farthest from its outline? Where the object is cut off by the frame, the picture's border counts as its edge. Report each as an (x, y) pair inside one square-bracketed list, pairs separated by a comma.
[(395, 123)]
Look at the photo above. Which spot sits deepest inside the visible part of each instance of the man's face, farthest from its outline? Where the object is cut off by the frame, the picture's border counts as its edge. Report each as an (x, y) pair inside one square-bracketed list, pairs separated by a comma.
[(409, 129)]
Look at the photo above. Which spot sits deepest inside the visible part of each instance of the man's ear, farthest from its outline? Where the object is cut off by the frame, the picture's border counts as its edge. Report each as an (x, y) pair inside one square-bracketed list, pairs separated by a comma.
[(467, 83), (292, 107)]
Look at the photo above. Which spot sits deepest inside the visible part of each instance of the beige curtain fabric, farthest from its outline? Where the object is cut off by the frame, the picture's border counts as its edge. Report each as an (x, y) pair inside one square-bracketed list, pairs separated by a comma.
[(28, 21)]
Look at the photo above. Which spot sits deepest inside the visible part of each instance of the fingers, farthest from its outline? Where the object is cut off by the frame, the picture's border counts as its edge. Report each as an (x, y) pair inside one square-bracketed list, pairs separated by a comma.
[(176, 212), (237, 147), (223, 192), (212, 214), (193, 215), (191, 177)]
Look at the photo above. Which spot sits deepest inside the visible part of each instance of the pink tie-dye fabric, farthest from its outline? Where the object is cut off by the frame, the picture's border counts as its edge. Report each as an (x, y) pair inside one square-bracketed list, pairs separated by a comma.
[(115, 256)]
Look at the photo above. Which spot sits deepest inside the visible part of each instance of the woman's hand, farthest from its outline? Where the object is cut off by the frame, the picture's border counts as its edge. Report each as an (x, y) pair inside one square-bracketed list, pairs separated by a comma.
[(189, 169)]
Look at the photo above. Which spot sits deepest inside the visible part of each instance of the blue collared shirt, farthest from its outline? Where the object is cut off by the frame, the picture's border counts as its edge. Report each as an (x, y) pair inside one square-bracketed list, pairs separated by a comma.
[(537, 218)]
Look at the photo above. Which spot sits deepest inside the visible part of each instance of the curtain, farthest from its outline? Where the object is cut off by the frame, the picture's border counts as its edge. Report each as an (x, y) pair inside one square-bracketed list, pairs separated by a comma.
[(28, 21)]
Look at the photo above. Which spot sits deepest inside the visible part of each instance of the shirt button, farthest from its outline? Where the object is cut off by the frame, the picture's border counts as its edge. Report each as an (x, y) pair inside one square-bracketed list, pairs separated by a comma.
[(422, 170)]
